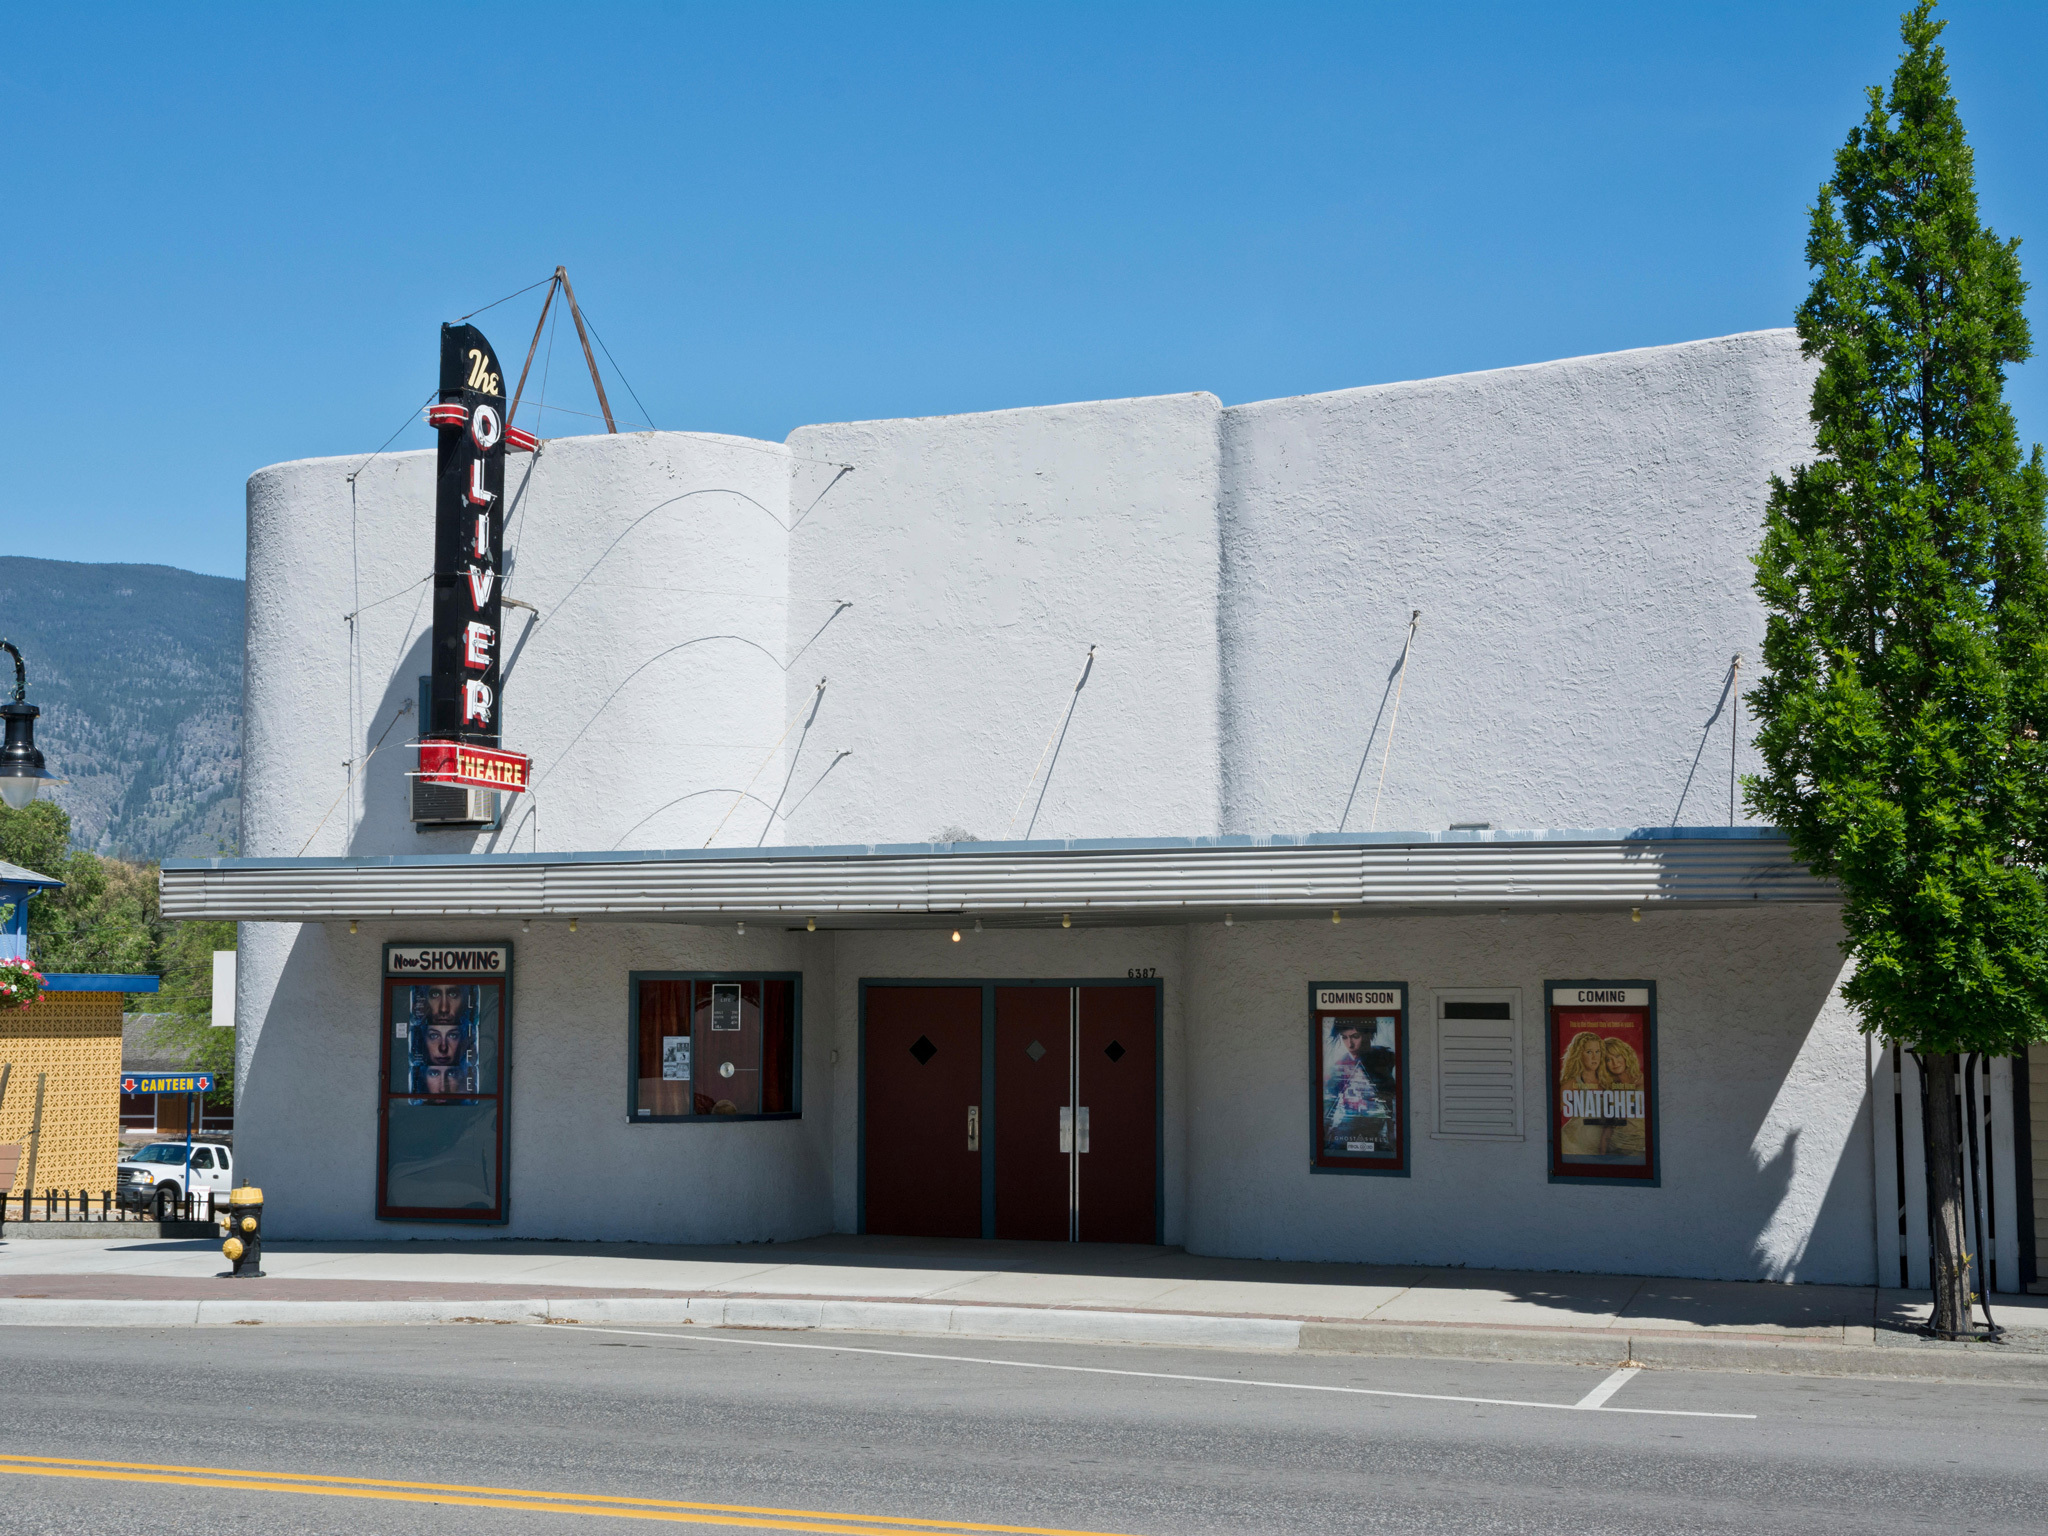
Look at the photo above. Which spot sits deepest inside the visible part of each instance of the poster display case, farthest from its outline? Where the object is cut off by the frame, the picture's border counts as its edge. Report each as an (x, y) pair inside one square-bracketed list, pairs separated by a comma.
[(1358, 1065), (443, 1082), (1602, 1080)]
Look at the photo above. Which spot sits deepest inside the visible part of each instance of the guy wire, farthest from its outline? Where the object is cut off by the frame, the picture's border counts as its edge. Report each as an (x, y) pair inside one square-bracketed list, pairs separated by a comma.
[(1414, 618), (742, 795), (1086, 662), (644, 414), (496, 302)]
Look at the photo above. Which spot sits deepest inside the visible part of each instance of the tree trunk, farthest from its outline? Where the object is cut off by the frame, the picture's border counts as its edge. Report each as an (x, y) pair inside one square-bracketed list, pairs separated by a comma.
[(1949, 1252)]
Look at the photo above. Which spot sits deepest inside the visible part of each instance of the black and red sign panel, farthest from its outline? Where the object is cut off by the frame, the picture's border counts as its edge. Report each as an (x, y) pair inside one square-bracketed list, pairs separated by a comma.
[(469, 541)]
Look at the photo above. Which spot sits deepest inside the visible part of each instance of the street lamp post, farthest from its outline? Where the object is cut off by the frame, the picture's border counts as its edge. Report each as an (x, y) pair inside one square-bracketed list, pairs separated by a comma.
[(21, 764)]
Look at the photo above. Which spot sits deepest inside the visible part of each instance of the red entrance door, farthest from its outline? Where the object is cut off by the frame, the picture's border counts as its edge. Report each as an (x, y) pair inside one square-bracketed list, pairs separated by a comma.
[(1116, 1078), (922, 1071), (1077, 1113), (1034, 1090)]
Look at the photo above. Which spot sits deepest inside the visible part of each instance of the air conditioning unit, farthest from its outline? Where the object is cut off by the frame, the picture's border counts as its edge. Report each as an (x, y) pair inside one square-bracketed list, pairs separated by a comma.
[(452, 805)]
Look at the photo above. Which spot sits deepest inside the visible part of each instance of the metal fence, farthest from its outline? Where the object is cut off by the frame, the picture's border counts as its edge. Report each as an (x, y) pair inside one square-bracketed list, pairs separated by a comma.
[(75, 1205)]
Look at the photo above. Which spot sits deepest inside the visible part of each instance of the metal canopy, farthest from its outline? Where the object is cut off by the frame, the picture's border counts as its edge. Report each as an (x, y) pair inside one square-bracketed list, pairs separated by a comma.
[(1022, 884)]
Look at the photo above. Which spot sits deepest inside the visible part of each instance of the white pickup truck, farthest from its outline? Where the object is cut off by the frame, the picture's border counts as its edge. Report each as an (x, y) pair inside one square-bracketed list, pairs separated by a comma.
[(156, 1178)]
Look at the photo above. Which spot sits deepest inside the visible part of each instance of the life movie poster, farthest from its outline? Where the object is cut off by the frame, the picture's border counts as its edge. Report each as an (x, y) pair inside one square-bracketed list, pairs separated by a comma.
[(1602, 1069), (1359, 1071), (441, 1045)]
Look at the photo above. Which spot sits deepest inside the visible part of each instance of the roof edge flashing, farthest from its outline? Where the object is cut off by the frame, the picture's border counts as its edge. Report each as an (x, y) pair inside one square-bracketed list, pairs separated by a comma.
[(1049, 848)]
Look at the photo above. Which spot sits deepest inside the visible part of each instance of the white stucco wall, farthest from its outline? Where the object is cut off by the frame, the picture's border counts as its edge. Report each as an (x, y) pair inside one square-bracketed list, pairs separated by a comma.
[(648, 690), (983, 555), (1765, 1142), (1577, 536), (1765, 1137)]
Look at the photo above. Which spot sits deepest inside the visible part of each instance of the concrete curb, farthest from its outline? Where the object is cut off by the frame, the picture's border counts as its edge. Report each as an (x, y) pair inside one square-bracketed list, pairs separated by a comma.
[(1905, 1360), (1071, 1325), (18, 1231)]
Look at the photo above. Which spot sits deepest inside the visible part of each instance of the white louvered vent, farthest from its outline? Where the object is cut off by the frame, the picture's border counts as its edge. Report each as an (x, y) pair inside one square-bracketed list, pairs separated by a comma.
[(1478, 1067)]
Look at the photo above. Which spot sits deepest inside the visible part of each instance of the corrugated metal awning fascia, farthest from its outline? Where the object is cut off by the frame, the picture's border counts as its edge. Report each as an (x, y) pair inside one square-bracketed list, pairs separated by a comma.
[(1137, 881)]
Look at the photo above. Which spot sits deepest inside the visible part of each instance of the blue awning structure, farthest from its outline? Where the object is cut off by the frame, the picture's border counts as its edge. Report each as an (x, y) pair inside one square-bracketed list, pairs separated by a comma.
[(90, 981), (16, 886)]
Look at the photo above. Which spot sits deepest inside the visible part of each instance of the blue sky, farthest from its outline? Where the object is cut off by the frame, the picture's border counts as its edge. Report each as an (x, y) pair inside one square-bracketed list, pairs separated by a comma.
[(232, 233)]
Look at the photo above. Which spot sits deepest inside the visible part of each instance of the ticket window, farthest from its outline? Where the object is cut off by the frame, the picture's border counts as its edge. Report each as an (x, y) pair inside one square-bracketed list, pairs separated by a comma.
[(1359, 1056), (714, 1046)]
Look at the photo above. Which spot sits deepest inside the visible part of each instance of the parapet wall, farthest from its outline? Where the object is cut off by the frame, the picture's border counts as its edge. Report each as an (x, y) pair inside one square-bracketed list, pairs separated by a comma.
[(1576, 536)]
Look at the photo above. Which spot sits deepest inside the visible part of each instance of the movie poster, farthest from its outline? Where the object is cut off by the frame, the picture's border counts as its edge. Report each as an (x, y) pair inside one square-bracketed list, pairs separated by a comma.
[(442, 1055), (1602, 1068), (1360, 1093)]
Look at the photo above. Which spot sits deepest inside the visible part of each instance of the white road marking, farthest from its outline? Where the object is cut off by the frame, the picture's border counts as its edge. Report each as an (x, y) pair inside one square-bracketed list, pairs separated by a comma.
[(1597, 1398), (1585, 1405)]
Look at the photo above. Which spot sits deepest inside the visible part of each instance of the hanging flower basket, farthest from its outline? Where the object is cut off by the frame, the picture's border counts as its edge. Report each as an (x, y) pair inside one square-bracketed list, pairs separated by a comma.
[(20, 984)]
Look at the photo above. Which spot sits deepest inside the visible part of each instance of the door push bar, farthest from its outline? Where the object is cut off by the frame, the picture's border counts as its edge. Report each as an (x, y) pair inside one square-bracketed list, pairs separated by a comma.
[(1067, 1128)]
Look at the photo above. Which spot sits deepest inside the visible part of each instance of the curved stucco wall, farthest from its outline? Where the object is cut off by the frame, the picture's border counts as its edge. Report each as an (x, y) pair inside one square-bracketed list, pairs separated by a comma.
[(983, 555), (1577, 537), (647, 689)]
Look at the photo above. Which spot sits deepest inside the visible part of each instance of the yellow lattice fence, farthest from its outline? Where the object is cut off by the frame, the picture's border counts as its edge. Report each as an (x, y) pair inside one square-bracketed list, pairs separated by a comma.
[(74, 1040)]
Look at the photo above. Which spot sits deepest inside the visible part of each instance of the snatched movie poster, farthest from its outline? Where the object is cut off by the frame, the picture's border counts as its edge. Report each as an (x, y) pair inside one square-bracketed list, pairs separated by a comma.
[(1361, 1081), (1601, 1112), (441, 1039)]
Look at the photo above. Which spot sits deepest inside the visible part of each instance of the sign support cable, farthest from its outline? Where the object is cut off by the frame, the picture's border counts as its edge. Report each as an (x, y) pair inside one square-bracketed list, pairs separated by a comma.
[(1414, 618)]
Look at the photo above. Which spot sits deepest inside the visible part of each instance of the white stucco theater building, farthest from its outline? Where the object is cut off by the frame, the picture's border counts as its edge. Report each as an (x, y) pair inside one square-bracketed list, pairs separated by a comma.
[(1026, 825)]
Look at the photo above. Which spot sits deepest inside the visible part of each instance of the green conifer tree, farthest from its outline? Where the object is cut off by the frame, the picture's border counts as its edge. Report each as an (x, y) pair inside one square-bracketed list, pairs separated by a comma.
[(1907, 617)]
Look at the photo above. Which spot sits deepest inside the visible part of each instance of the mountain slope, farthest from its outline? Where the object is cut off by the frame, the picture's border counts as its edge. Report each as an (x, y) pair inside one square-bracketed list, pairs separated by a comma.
[(138, 672)]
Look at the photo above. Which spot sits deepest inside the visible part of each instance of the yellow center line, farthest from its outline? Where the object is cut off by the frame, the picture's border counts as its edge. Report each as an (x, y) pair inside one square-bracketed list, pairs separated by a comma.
[(617, 1506)]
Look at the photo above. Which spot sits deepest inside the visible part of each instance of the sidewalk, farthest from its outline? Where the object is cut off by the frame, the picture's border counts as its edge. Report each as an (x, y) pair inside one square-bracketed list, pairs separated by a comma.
[(1021, 1290)]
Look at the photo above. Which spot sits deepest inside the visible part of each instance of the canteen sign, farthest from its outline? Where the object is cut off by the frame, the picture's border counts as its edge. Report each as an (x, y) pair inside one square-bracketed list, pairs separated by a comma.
[(167, 1082)]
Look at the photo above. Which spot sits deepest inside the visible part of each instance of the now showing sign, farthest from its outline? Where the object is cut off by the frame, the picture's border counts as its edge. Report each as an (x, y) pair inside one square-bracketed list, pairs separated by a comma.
[(447, 959)]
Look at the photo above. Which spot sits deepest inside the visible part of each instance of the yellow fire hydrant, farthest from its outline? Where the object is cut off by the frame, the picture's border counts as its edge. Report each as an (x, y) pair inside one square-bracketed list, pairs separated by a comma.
[(244, 1245)]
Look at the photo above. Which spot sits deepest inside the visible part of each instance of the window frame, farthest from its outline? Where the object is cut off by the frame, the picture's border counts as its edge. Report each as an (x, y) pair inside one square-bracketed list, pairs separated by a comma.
[(1512, 996), (796, 1045)]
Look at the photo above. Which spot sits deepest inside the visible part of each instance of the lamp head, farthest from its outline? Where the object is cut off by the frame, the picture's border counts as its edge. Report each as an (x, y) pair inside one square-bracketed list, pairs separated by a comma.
[(21, 765)]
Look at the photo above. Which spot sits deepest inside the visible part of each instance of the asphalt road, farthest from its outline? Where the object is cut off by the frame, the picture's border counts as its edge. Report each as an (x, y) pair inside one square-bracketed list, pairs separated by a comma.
[(859, 1435)]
